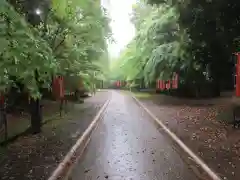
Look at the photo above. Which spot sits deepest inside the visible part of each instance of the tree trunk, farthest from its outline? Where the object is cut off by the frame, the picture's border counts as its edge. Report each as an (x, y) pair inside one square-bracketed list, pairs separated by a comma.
[(77, 95), (36, 115), (3, 117), (36, 110), (216, 84)]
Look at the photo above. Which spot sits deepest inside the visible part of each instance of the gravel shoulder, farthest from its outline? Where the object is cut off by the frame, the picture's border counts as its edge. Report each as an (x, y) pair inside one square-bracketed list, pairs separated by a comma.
[(201, 125)]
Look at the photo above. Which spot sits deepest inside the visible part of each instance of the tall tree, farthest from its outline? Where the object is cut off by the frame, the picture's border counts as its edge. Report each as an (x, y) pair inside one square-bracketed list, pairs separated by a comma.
[(44, 39), (194, 38), (158, 47), (213, 27)]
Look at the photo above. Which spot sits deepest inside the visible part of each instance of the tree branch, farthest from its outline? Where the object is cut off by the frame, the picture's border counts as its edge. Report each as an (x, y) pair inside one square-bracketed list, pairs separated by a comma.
[(60, 43), (56, 33)]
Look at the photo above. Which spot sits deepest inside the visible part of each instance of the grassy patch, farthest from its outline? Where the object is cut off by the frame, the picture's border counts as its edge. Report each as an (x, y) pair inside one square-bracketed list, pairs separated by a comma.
[(56, 120), (142, 95), (2, 153), (225, 116), (16, 128)]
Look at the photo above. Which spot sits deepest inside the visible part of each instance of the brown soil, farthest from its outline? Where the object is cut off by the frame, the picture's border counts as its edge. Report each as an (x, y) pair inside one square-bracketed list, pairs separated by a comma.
[(18, 122), (34, 157)]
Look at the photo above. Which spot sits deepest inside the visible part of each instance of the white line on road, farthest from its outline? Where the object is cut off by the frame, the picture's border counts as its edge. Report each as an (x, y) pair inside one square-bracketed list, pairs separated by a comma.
[(195, 158), (80, 142)]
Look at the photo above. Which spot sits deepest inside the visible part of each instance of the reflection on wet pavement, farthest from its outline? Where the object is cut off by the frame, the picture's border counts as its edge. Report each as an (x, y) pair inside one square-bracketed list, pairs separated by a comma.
[(128, 146)]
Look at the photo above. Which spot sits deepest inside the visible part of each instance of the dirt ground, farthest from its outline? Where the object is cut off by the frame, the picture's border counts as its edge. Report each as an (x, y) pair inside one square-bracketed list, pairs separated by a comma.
[(18, 122), (203, 125), (34, 157)]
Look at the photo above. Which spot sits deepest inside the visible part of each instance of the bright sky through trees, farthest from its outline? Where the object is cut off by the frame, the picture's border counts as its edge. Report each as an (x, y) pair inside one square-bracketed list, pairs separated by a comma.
[(123, 30)]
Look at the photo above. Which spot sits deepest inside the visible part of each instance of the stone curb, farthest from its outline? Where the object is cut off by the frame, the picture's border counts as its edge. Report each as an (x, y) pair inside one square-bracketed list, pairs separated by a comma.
[(77, 149)]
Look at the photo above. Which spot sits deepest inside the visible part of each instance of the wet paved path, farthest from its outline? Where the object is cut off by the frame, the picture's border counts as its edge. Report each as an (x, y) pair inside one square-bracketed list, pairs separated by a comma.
[(127, 145)]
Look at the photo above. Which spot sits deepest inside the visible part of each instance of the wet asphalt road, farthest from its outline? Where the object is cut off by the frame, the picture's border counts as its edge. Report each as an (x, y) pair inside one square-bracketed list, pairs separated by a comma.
[(127, 145)]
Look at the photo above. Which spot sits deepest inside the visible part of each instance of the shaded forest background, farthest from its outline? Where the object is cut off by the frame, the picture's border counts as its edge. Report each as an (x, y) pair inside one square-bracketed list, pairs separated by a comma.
[(192, 38), (41, 40)]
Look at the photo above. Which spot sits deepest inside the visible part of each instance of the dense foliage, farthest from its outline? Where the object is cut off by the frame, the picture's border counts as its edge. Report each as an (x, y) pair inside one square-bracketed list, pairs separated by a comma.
[(43, 39), (195, 39), (63, 38)]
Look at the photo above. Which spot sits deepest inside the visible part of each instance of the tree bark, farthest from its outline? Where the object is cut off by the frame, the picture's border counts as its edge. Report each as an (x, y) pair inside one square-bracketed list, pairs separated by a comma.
[(36, 110), (216, 82), (4, 117), (36, 115)]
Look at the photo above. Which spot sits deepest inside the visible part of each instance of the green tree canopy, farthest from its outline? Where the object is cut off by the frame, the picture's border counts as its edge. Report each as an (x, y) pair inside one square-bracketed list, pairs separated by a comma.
[(194, 38), (68, 38)]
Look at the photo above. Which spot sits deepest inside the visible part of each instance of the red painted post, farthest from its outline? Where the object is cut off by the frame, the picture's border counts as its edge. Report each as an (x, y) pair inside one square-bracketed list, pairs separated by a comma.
[(118, 83), (162, 85), (238, 75), (61, 87), (175, 81), (168, 84), (158, 84), (58, 87), (2, 99), (54, 87)]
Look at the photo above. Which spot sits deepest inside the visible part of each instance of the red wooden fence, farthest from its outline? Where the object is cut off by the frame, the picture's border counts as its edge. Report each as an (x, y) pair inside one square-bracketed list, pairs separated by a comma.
[(168, 84)]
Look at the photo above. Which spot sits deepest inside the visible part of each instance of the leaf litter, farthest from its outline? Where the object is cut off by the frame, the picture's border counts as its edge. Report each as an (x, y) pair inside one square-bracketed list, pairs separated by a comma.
[(34, 157), (203, 129)]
